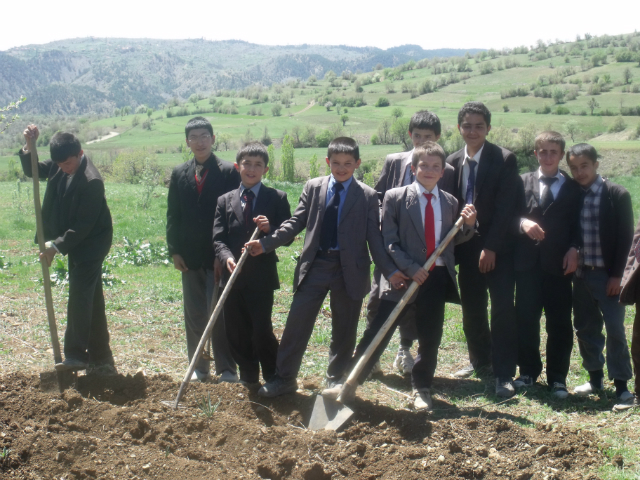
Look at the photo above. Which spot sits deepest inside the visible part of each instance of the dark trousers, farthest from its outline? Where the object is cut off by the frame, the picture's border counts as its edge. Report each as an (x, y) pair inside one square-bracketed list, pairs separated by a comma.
[(87, 336), (247, 315), (429, 307), (496, 346), (324, 276), (536, 290)]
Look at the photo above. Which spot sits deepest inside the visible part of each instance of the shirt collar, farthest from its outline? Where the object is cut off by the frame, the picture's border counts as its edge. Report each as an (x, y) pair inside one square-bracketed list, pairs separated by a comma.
[(476, 157), (595, 186), (421, 190), (345, 184), (255, 189), (558, 175)]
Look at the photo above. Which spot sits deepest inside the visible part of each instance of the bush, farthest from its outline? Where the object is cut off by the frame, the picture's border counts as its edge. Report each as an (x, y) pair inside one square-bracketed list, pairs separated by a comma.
[(135, 166), (546, 109), (324, 138), (560, 110), (375, 140), (382, 102), (618, 125), (505, 107)]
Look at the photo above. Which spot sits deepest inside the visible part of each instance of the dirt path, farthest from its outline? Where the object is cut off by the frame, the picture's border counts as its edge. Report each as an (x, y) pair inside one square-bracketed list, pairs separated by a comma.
[(106, 137), (313, 102)]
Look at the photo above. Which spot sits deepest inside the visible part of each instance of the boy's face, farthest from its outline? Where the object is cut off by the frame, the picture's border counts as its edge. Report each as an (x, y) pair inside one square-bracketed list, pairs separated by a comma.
[(71, 164), (200, 142), (421, 135), (474, 130), (428, 171), (251, 169), (342, 166), (549, 155), (584, 170)]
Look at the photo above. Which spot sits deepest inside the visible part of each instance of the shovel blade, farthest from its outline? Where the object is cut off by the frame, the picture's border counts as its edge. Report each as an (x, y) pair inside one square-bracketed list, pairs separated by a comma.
[(328, 414), (51, 382)]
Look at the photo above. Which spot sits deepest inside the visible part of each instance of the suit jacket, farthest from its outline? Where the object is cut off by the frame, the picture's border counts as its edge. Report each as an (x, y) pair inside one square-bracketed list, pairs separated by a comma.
[(75, 218), (393, 171), (616, 227), (190, 215), (630, 281), (230, 234), (498, 187), (358, 227), (560, 222), (403, 233)]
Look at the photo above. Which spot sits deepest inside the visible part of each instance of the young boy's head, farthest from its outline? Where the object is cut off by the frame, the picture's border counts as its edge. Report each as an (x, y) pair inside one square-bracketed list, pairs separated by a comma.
[(549, 150), (66, 151), (474, 124), (424, 127), (200, 138), (427, 164), (252, 162), (343, 157), (583, 163)]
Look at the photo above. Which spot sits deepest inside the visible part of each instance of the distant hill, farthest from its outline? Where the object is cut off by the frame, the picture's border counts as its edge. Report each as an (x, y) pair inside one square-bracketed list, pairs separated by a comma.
[(96, 75)]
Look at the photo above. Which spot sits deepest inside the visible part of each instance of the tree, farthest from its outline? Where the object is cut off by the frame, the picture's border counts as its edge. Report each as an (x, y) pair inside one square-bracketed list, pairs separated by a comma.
[(288, 166), (272, 162), (344, 119), (124, 111), (328, 106), (314, 168), (312, 80), (618, 125), (382, 102), (193, 98), (384, 130), (400, 131), (396, 113), (592, 104), (275, 110), (266, 138), (6, 123), (627, 75), (558, 96), (149, 112), (573, 129)]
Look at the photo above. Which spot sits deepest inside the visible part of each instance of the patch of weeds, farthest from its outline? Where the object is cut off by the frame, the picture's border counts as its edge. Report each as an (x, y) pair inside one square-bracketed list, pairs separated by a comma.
[(59, 274), (4, 263), (140, 253), (108, 278), (208, 409), (5, 453)]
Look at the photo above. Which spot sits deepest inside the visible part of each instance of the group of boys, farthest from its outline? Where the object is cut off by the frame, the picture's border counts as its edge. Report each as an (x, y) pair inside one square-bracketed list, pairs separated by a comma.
[(540, 241)]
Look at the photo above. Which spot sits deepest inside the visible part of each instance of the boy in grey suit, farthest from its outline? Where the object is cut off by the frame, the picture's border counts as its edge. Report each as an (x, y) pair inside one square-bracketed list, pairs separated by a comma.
[(341, 217)]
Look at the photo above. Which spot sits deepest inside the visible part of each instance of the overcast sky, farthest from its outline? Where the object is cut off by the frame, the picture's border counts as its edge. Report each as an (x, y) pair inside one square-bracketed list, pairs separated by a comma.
[(384, 24)]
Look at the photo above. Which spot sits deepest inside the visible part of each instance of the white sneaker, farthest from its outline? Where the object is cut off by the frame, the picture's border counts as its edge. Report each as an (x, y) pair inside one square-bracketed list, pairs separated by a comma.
[(228, 377), (198, 376), (559, 390), (404, 361), (587, 389), (422, 399), (465, 372)]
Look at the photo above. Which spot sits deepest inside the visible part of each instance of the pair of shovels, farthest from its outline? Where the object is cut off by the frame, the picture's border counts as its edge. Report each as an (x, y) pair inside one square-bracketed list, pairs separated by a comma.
[(330, 414)]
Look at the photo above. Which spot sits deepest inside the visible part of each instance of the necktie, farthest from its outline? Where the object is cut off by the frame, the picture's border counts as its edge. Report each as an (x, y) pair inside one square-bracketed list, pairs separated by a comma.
[(329, 229), (248, 197), (547, 196), (471, 181), (429, 227), (199, 172)]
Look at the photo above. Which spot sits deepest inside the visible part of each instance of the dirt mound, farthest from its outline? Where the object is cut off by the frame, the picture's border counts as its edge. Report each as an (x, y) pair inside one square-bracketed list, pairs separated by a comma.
[(118, 428)]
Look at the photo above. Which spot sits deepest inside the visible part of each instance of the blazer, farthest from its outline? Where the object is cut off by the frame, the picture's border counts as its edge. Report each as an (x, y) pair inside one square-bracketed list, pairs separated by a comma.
[(403, 233), (560, 222), (498, 186), (630, 284), (393, 170), (616, 227), (358, 227), (230, 234), (75, 218), (190, 215)]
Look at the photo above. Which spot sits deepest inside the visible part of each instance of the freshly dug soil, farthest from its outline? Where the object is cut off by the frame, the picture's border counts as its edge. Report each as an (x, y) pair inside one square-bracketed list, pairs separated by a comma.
[(118, 428)]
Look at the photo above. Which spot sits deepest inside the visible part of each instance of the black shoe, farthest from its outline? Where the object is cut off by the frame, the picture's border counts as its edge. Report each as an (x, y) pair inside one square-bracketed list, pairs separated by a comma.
[(524, 381), (102, 369), (278, 386), (70, 364), (504, 388)]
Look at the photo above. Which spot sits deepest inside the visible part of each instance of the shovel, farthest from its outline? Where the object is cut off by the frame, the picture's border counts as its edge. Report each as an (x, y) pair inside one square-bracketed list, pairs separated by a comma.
[(206, 351), (212, 321), (330, 414), (56, 380)]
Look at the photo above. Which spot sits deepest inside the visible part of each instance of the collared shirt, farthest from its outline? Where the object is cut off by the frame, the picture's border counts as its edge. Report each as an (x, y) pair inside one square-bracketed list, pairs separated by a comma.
[(437, 212), (591, 253), (70, 177), (466, 169), (555, 186), (255, 189), (343, 194), (408, 177)]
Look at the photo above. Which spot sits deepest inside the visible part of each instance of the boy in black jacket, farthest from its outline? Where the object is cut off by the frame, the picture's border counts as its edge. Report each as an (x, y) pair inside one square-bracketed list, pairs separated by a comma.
[(247, 310)]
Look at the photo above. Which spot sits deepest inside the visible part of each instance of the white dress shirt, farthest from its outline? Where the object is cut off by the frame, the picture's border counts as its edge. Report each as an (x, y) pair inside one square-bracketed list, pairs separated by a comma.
[(555, 186)]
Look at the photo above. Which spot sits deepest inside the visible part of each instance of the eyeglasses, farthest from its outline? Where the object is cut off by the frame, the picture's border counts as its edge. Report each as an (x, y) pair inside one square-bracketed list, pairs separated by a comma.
[(199, 139)]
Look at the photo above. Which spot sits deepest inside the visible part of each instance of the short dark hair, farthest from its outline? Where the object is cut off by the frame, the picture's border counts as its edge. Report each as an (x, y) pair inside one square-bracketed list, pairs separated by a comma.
[(428, 148), (583, 150), (425, 120), (475, 107), (64, 145), (550, 136), (253, 149), (344, 145), (198, 122)]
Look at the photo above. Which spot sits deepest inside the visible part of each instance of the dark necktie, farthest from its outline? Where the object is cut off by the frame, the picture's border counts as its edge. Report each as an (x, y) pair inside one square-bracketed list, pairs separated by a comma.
[(547, 196), (248, 197), (429, 227), (329, 229), (471, 181)]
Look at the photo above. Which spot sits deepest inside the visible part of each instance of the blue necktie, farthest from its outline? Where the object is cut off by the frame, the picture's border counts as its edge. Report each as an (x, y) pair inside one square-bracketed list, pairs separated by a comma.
[(329, 229), (471, 181)]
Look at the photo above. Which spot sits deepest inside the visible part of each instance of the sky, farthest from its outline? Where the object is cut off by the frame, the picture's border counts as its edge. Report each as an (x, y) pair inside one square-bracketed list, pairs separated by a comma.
[(434, 24)]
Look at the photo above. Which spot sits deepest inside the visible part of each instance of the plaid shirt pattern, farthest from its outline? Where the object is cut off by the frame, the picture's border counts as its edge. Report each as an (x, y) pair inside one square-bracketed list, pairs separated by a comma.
[(591, 253)]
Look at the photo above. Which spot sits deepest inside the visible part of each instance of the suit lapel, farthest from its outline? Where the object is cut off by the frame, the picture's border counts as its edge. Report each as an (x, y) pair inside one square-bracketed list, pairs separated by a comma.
[(535, 188), (236, 205), (447, 215), (413, 207), (322, 199), (77, 177), (456, 163), (485, 165), (350, 200)]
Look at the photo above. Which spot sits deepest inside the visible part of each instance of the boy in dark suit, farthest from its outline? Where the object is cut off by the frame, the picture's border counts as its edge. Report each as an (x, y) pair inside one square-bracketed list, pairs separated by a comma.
[(546, 256), (341, 216), (77, 222), (416, 218), (487, 176), (191, 204), (247, 310), (606, 221), (396, 172)]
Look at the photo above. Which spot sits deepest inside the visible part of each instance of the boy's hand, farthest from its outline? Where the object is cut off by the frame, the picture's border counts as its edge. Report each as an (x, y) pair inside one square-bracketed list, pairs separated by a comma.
[(255, 247), (420, 276), (398, 280), (217, 270), (469, 214), (533, 230), (47, 255), (487, 260), (570, 261), (231, 265), (614, 287), (262, 223), (31, 134), (178, 263)]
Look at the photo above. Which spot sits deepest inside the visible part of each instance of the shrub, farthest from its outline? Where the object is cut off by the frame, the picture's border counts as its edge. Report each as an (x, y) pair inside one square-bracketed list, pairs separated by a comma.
[(546, 109), (560, 110), (382, 102), (618, 125), (375, 140), (324, 138), (505, 107)]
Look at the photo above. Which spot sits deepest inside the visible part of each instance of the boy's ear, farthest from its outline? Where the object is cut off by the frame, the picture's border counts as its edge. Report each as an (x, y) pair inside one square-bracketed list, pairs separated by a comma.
[(596, 165), (327, 160), (266, 169), (488, 128), (437, 138), (81, 153), (358, 163), (237, 166)]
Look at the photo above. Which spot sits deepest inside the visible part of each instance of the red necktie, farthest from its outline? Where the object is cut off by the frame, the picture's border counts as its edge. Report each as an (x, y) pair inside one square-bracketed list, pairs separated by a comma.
[(429, 227)]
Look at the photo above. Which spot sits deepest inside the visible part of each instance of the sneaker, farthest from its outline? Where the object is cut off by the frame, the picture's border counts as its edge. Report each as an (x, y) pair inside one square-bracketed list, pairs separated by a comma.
[(404, 361), (523, 381), (198, 376), (228, 377), (377, 368), (465, 372), (629, 403), (102, 369), (504, 387), (70, 364), (422, 399), (588, 388), (559, 390), (278, 386), (625, 398)]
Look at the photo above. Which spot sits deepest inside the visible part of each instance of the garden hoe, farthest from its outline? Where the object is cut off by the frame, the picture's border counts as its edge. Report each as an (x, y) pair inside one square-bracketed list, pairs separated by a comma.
[(329, 413), (55, 380), (212, 321), (206, 351)]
